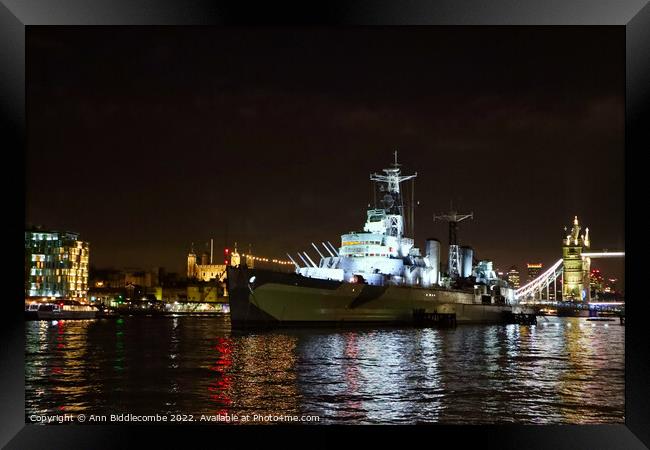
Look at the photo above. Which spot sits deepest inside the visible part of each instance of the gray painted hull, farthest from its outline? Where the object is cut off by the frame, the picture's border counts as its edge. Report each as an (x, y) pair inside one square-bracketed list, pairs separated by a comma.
[(288, 299)]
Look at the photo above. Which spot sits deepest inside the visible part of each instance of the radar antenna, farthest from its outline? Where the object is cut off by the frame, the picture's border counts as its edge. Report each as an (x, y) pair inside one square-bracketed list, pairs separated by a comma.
[(392, 202)]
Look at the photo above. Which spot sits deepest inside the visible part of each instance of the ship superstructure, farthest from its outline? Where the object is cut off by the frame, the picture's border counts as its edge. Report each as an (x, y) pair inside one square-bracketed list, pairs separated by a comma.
[(376, 275), (382, 254)]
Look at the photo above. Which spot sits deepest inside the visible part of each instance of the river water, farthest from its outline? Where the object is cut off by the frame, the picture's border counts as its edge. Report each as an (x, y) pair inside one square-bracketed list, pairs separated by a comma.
[(563, 370)]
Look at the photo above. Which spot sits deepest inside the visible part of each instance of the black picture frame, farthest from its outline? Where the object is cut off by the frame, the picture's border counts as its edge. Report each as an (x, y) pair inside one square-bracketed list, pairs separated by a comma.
[(634, 15)]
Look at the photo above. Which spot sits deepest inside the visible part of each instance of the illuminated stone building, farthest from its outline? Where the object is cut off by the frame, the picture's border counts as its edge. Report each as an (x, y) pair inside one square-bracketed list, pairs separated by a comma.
[(211, 272), (235, 257), (56, 265), (206, 271), (575, 285), (191, 263)]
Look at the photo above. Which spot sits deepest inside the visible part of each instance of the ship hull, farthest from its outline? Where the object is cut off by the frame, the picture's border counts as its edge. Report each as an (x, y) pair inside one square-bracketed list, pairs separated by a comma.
[(267, 298)]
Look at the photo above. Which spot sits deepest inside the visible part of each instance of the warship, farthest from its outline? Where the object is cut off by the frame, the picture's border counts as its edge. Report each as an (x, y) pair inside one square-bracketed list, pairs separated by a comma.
[(375, 276)]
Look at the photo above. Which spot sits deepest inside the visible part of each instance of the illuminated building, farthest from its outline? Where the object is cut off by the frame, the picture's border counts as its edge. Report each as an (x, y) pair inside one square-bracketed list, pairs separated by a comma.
[(56, 265), (610, 286), (576, 267), (235, 258), (191, 263), (250, 259), (602, 286), (534, 269), (596, 281), (207, 270), (513, 277), (210, 272)]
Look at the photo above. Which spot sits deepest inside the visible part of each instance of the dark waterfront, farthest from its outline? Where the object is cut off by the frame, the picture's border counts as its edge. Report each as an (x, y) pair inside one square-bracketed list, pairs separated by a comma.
[(564, 370)]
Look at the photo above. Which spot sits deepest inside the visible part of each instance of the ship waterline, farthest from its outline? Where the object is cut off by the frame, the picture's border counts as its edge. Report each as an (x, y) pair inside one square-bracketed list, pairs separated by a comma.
[(260, 297)]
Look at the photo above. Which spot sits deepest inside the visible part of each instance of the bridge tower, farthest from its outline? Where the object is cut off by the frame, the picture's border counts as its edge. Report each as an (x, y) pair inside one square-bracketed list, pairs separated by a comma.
[(575, 283)]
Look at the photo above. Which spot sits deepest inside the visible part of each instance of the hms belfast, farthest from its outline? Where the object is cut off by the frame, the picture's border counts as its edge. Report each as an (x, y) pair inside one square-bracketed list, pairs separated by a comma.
[(376, 276)]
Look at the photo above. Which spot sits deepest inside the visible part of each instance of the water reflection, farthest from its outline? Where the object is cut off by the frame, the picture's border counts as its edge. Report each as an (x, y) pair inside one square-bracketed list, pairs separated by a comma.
[(219, 388), (59, 353), (264, 376), (564, 370), (353, 404)]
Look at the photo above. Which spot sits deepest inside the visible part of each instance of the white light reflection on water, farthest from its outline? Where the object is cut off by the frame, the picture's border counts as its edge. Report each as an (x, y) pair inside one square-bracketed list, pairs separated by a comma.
[(556, 372)]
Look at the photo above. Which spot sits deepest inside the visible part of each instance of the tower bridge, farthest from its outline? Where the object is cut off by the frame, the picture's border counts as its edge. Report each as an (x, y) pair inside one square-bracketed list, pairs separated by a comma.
[(572, 270)]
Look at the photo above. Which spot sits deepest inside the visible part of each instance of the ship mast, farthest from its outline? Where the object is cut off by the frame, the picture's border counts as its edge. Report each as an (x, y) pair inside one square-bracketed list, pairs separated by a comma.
[(392, 199), (454, 218)]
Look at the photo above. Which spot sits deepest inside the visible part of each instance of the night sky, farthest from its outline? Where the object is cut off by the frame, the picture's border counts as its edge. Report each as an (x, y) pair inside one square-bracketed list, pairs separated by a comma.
[(147, 139)]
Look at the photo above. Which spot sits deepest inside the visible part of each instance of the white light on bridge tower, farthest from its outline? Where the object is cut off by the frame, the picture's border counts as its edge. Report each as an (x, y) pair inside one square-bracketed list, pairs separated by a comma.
[(575, 285), (572, 269)]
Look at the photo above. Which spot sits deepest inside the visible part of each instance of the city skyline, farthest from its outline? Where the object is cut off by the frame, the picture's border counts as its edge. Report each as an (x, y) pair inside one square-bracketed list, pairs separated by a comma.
[(268, 136)]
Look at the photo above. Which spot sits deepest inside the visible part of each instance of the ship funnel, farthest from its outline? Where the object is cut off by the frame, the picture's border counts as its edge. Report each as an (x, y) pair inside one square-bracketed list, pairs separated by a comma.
[(467, 255), (432, 252)]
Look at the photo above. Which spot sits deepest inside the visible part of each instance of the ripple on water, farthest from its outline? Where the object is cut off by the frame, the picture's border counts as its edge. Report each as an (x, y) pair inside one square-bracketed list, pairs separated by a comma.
[(471, 374)]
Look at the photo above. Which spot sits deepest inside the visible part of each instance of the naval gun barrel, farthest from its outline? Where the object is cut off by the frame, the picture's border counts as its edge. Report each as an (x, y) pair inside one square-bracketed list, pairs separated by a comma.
[(297, 266), (317, 251), (310, 260), (328, 250), (303, 260)]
